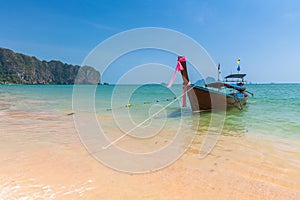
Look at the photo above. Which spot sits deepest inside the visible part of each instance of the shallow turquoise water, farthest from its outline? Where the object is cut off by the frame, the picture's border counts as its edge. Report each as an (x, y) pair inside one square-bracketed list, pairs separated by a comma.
[(274, 110)]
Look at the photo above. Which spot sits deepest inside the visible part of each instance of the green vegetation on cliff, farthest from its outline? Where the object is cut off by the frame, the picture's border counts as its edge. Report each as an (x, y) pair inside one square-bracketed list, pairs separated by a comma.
[(22, 69)]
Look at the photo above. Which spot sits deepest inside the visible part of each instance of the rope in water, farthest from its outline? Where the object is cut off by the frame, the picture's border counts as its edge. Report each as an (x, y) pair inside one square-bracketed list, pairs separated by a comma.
[(130, 105), (145, 102), (150, 117), (150, 102)]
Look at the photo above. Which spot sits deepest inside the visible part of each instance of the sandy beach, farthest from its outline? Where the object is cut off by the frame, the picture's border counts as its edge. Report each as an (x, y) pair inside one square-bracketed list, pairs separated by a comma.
[(46, 160)]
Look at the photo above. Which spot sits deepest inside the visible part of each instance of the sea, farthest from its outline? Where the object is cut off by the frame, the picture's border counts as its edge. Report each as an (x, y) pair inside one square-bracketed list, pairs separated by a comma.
[(273, 110), (37, 134)]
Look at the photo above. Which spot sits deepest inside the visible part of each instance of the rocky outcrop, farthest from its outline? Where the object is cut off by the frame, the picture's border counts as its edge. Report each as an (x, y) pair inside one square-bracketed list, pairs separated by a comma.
[(22, 69)]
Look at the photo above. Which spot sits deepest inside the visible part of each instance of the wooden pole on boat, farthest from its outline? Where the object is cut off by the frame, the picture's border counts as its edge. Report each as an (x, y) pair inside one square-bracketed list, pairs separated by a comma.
[(219, 71), (185, 78)]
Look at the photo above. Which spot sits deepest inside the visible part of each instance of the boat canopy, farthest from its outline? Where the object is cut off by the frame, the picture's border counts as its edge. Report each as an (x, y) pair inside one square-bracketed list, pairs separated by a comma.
[(235, 76)]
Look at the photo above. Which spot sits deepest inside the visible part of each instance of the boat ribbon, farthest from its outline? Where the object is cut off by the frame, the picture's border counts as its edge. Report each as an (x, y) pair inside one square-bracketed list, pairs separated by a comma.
[(178, 68)]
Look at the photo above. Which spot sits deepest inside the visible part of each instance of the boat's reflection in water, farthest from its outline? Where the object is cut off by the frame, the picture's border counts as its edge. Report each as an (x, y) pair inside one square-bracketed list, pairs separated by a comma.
[(234, 120)]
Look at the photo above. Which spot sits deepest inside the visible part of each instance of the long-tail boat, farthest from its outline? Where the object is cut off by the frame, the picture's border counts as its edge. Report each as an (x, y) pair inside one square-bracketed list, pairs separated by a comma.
[(219, 95)]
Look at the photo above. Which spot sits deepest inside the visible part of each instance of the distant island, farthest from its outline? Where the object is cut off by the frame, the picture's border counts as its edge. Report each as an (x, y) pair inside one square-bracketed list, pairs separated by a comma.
[(17, 68)]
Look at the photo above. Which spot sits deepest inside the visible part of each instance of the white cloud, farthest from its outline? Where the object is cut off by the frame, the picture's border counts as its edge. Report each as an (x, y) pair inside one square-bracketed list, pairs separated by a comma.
[(199, 20), (292, 15), (99, 25)]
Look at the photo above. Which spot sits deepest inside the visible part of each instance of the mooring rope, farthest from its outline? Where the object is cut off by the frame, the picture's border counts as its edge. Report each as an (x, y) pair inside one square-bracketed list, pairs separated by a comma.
[(145, 102), (150, 117), (155, 101)]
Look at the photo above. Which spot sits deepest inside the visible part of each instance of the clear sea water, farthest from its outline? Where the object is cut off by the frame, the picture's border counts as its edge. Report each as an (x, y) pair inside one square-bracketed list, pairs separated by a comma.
[(42, 157), (274, 109)]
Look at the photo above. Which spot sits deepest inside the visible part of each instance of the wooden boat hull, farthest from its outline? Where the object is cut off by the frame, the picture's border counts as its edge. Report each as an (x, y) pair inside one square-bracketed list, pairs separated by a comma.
[(204, 99)]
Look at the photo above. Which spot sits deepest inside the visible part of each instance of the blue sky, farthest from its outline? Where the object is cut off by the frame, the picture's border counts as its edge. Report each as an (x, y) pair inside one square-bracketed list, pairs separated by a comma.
[(265, 34)]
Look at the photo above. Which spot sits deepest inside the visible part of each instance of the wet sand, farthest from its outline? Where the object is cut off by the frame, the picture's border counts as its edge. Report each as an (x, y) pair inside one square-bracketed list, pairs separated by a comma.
[(42, 157)]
